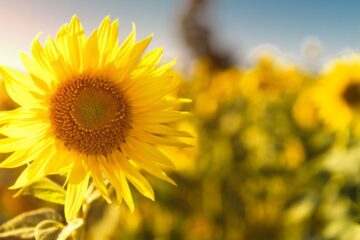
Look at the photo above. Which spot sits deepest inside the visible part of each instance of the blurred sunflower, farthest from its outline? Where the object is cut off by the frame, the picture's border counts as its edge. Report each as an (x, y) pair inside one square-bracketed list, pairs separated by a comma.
[(338, 94), (213, 87), (305, 110), (270, 79), (91, 108)]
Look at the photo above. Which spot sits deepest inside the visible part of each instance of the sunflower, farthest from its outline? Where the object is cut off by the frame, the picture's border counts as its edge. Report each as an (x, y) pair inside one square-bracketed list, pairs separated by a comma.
[(338, 94), (270, 79), (213, 88), (91, 109), (304, 110)]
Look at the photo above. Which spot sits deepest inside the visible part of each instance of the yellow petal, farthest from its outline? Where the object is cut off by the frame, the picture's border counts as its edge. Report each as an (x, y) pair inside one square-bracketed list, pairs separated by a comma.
[(78, 171), (114, 38), (16, 159), (62, 162), (98, 178), (129, 61), (108, 37), (109, 172), (161, 129), (36, 170), (76, 42), (14, 144), (24, 129), (75, 195), (142, 160), (163, 69), (157, 140), (16, 114), (156, 106), (20, 94), (42, 59), (59, 67), (151, 152), (138, 180), (91, 53), (148, 88), (148, 63), (125, 47), (126, 193), (22, 157), (160, 117), (21, 79), (61, 41), (43, 79)]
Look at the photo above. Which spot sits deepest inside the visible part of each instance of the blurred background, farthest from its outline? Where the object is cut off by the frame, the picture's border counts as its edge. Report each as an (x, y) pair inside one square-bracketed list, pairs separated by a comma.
[(276, 106)]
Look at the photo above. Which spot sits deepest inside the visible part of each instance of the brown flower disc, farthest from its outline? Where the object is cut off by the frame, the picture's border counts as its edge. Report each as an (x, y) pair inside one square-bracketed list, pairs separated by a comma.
[(90, 115)]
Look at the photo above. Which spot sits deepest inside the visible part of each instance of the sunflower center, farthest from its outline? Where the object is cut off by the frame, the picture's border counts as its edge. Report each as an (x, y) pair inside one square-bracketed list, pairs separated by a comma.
[(90, 115), (351, 95)]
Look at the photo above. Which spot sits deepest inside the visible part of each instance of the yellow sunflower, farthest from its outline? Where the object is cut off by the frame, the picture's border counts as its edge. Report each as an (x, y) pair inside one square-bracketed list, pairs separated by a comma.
[(90, 108), (212, 88), (270, 79), (338, 94), (305, 111)]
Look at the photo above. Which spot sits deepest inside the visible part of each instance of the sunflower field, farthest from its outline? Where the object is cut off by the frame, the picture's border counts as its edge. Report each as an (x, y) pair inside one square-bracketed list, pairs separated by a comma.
[(102, 139)]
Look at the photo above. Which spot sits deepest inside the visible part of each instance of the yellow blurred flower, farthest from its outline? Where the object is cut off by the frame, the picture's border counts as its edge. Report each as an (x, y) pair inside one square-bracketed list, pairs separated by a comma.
[(305, 111), (91, 108), (270, 79), (337, 94), (211, 88), (293, 153)]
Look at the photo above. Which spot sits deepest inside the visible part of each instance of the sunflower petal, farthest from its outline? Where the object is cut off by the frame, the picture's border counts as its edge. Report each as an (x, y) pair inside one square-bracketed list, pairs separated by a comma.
[(22, 157), (138, 180), (23, 130), (36, 170), (91, 53), (22, 79), (161, 129), (98, 178), (161, 117), (14, 144), (128, 64), (126, 193), (75, 195), (109, 172), (147, 164), (125, 47), (78, 171), (151, 152), (76, 43), (43, 79), (16, 114)]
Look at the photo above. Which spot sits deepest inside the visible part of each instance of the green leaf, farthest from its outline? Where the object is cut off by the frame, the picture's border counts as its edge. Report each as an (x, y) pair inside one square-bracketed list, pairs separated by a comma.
[(48, 230), (46, 190), (71, 227), (51, 230), (23, 225)]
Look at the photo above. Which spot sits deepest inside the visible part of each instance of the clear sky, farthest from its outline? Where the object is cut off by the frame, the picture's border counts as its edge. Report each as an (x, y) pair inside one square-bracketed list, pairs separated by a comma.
[(242, 24)]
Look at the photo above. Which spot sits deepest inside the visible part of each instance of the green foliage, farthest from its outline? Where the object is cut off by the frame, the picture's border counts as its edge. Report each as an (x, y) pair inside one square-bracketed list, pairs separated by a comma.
[(24, 225), (46, 190), (48, 229), (41, 224)]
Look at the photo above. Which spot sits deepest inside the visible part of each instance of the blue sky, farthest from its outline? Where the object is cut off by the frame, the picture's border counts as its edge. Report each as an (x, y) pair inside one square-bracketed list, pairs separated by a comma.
[(242, 24), (286, 23)]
